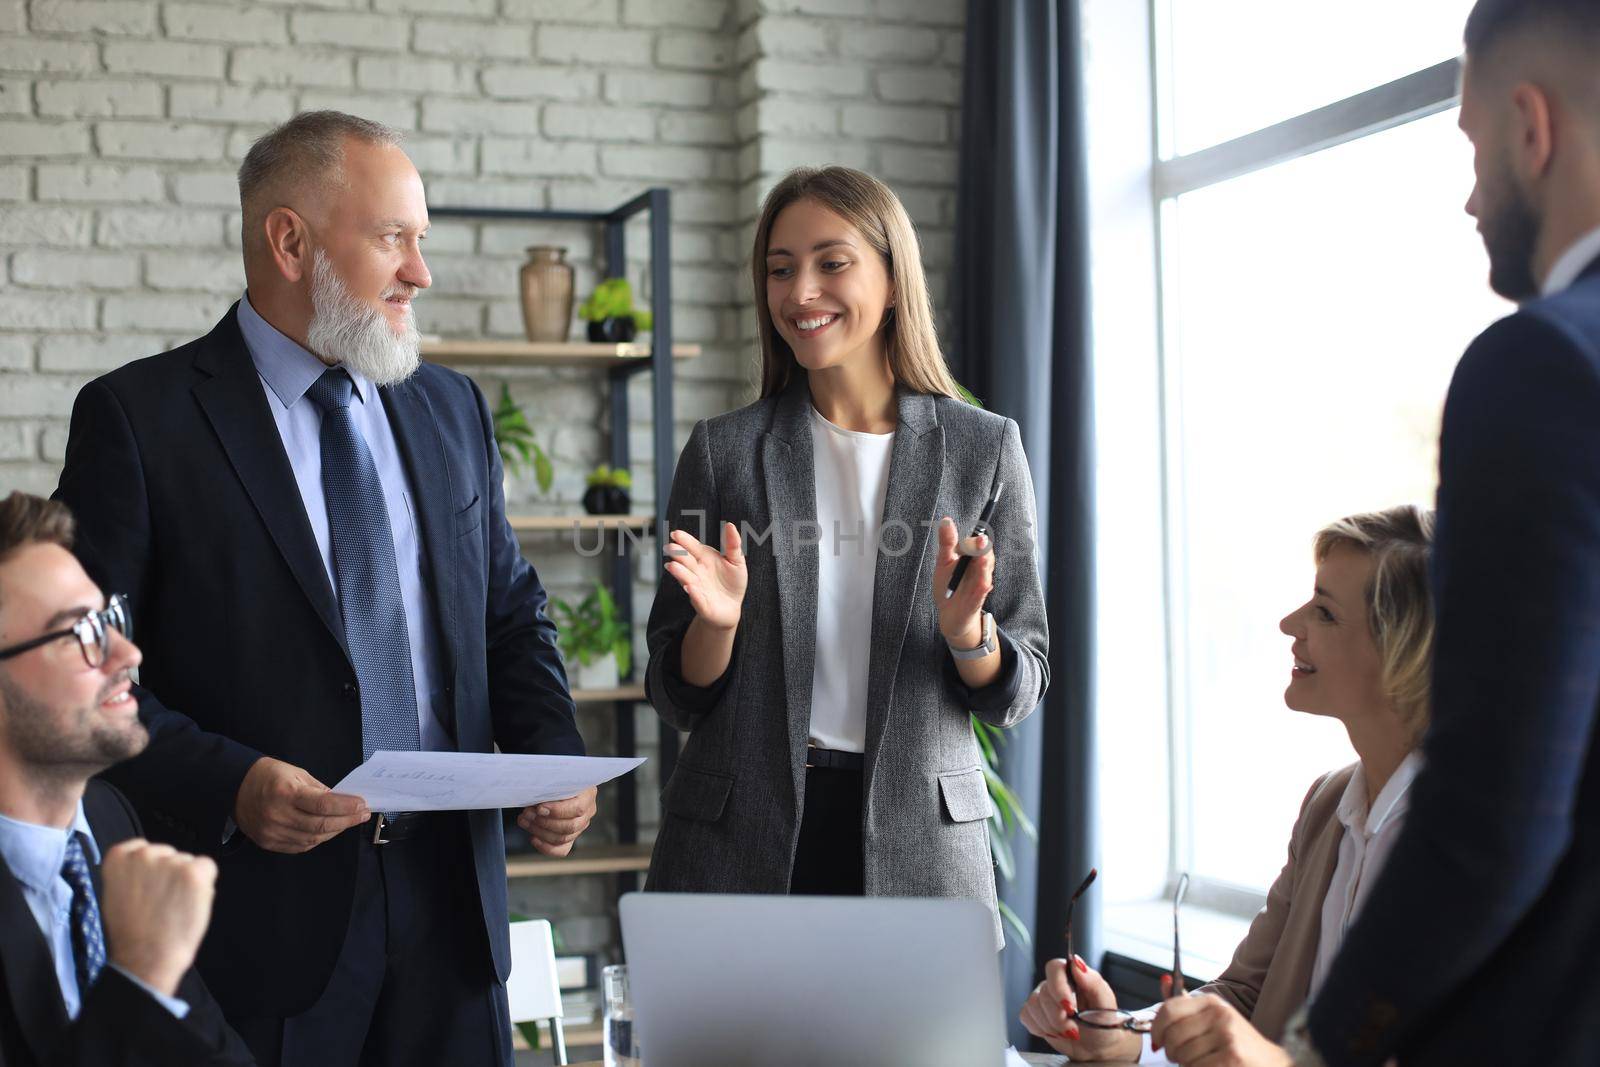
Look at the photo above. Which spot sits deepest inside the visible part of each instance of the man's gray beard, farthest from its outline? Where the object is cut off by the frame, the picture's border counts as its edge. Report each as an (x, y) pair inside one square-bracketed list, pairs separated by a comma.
[(355, 335), (79, 748)]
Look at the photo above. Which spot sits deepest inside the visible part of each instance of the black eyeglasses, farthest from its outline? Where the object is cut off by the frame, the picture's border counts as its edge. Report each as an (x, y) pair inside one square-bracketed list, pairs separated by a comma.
[(1115, 1018), (93, 632)]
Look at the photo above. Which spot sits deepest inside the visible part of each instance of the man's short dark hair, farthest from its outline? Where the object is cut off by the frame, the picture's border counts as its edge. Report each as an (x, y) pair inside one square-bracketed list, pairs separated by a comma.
[(26, 519), (1492, 21)]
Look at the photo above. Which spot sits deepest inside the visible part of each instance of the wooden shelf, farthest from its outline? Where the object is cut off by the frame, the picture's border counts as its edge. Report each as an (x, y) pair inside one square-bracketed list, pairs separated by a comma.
[(602, 859), (543, 354), (580, 521), (599, 696)]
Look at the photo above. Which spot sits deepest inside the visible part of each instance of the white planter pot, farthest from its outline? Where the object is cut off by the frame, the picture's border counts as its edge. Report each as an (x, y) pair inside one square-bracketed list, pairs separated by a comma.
[(600, 674)]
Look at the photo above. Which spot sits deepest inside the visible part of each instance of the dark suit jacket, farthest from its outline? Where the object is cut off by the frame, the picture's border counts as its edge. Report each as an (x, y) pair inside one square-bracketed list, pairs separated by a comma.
[(731, 813), (186, 501), (119, 1024), (1481, 938)]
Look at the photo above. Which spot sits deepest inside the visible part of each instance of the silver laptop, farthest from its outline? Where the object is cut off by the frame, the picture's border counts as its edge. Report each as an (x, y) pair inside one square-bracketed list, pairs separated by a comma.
[(831, 981)]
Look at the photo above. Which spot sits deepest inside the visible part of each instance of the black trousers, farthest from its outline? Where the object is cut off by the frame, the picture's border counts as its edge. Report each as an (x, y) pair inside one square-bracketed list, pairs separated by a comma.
[(829, 860), (414, 985)]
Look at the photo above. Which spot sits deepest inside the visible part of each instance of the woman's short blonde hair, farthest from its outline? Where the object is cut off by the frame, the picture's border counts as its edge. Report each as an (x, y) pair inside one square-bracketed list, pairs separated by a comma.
[(1399, 599), (910, 340)]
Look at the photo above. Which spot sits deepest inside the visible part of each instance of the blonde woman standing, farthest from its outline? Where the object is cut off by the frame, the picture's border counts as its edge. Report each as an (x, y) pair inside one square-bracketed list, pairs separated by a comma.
[(806, 644)]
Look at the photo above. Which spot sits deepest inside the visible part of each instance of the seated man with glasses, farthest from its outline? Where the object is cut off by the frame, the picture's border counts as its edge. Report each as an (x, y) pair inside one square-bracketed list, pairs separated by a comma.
[(98, 928), (1362, 651)]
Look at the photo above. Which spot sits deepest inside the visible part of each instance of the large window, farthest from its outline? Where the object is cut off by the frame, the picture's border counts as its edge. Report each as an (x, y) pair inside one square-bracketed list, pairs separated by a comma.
[(1314, 312), (1317, 283)]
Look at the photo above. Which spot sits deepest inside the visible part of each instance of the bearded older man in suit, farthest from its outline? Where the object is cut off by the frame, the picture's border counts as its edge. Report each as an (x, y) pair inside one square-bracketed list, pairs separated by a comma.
[(314, 528)]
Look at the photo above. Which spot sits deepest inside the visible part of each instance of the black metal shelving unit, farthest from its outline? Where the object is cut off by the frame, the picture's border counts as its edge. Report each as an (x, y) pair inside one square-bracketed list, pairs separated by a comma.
[(656, 202)]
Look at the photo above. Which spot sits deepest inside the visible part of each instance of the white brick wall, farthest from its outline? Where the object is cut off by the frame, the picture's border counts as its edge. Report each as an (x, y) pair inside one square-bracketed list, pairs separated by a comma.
[(122, 122)]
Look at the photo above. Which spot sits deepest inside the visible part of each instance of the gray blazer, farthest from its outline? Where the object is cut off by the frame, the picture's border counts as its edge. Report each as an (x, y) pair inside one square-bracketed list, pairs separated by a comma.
[(731, 811)]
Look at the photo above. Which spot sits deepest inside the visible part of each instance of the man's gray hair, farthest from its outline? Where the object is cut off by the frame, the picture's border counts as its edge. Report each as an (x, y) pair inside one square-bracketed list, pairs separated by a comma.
[(308, 149)]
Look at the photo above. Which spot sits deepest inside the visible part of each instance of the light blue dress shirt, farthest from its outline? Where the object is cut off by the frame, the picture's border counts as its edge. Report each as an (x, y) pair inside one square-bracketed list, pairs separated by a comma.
[(35, 854), (287, 370)]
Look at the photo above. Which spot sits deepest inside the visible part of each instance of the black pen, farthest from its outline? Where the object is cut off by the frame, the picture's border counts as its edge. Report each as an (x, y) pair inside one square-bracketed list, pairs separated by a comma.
[(983, 529)]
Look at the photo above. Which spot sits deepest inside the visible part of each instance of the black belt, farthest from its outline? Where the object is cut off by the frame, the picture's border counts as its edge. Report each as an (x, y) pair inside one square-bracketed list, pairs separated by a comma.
[(830, 759), (388, 827)]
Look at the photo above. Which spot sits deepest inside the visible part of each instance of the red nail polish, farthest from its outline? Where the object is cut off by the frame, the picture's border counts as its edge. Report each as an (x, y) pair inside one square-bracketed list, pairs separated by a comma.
[(1083, 968), (1066, 1005), (1073, 1033)]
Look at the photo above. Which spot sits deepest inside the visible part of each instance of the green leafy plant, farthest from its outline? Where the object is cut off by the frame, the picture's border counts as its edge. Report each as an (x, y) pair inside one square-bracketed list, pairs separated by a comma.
[(513, 434), (594, 628), (613, 299), (1007, 819), (605, 477)]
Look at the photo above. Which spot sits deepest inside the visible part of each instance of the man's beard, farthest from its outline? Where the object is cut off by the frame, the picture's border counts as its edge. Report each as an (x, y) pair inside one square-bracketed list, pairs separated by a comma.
[(75, 744), (1510, 234), (356, 335)]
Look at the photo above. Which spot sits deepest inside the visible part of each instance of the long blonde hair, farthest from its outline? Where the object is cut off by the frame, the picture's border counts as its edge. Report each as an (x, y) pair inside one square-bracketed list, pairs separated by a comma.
[(910, 340), (1399, 600)]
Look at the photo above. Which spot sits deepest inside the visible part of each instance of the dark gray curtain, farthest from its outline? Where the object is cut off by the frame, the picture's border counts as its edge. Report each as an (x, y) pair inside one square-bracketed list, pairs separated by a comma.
[(1020, 342)]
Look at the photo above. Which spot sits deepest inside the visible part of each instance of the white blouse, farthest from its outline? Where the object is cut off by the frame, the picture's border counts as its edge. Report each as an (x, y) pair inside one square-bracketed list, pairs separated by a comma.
[(852, 477)]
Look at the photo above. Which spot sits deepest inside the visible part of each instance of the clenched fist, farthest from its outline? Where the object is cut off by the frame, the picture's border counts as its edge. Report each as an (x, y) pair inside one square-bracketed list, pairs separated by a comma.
[(155, 903)]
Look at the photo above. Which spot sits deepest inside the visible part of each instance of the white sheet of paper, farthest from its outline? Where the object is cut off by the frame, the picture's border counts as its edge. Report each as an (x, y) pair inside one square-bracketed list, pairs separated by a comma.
[(458, 781)]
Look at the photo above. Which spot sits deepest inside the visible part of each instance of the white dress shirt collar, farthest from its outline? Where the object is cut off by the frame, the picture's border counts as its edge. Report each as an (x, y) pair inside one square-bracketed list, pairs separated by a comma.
[(1565, 270), (37, 853), (1390, 803)]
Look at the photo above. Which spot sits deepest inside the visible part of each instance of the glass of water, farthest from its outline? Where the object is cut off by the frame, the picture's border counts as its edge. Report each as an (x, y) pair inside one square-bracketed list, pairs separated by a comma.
[(621, 1040)]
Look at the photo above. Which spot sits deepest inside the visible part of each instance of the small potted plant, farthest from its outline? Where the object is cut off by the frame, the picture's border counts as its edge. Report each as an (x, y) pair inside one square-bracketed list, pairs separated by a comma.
[(608, 491), (594, 636), (513, 435), (610, 313)]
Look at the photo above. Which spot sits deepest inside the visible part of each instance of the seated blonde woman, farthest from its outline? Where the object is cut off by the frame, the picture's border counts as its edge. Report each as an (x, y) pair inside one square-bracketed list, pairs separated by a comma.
[(1362, 654)]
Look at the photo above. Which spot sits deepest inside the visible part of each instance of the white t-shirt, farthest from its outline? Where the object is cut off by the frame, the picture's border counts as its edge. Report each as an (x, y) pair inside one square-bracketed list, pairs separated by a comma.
[(852, 476)]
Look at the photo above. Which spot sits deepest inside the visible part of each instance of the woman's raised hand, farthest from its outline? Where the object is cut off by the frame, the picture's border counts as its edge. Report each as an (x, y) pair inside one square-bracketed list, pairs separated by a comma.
[(961, 616), (714, 581)]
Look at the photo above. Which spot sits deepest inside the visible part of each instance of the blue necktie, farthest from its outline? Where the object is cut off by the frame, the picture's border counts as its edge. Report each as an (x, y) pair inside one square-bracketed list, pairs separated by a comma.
[(364, 566), (88, 941)]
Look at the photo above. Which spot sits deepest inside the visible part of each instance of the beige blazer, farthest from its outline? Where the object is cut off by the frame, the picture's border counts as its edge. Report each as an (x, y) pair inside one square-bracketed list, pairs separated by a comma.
[(1270, 975)]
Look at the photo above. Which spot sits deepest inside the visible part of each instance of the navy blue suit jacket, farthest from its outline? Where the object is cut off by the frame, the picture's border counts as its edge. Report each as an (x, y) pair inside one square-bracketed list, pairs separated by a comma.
[(118, 1024), (1480, 943), (186, 501)]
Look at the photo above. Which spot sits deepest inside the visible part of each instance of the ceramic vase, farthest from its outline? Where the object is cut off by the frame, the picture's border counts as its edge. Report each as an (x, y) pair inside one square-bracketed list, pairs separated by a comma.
[(601, 673), (546, 293)]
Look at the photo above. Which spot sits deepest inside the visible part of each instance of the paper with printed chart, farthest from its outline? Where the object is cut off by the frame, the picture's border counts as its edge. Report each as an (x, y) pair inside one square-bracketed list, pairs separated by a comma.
[(458, 781)]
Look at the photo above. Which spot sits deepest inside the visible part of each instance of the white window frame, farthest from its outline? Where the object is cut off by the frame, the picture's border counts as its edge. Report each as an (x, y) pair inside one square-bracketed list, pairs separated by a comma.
[(1128, 141)]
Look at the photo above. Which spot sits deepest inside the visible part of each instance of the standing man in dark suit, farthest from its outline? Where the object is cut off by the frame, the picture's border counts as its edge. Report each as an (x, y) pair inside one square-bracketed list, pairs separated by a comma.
[(98, 928), (314, 529), (1482, 934)]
